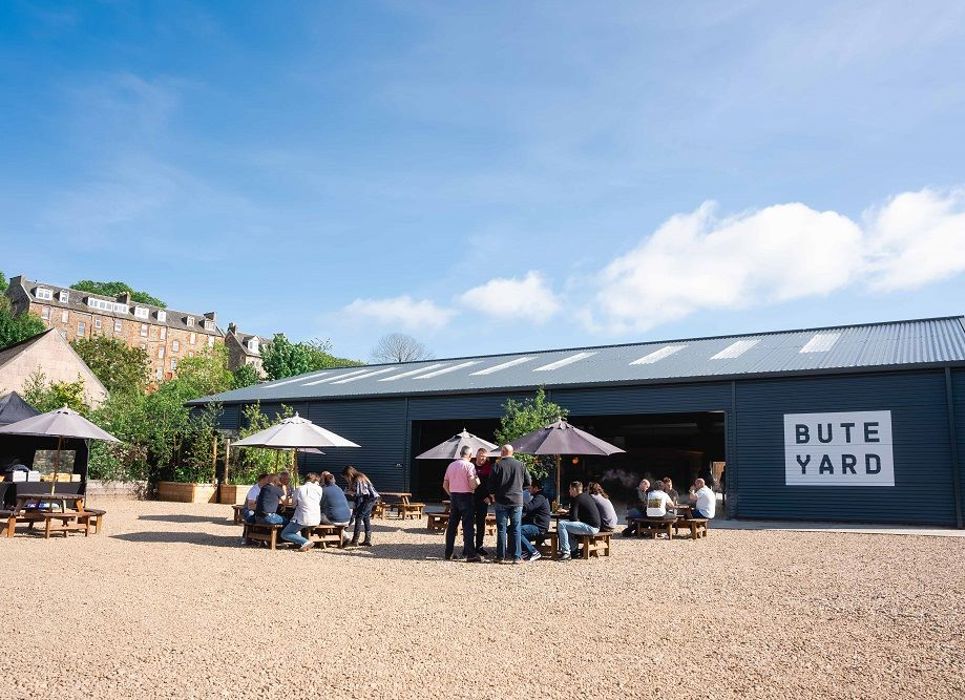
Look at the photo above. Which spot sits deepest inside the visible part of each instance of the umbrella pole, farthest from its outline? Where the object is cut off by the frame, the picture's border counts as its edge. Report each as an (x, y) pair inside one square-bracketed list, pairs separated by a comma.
[(53, 484), (559, 501)]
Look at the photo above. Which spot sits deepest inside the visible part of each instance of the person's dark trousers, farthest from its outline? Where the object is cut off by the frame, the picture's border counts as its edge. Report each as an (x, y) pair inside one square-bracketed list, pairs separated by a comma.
[(529, 532), (698, 514), (363, 518), (481, 510), (460, 510), (511, 515)]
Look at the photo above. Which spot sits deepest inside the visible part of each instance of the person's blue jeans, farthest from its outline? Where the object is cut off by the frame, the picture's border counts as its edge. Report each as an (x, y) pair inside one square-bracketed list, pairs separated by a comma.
[(460, 510), (529, 532), (248, 515), (573, 527), (633, 512), (699, 514), (510, 515), (293, 533), (270, 519)]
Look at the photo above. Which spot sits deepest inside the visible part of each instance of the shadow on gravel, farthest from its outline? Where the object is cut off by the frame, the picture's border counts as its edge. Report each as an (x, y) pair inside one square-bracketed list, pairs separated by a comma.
[(407, 552), (188, 519), (181, 538)]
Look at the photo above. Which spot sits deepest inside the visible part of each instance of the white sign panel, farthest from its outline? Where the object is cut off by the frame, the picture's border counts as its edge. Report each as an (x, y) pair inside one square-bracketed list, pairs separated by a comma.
[(838, 449)]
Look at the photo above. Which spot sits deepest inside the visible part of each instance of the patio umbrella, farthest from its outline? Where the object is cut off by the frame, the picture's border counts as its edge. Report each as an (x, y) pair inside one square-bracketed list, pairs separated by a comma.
[(451, 448), (296, 434), (561, 438), (61, 423)]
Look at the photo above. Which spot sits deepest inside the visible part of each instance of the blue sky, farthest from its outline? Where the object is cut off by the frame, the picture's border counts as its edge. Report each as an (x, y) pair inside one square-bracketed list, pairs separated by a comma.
[(491, 177)]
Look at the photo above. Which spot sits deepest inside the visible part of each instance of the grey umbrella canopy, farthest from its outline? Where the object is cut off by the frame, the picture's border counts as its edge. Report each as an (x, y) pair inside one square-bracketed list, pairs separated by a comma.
[(62, 423), (293, 433), (561, 438), (13, 408), (451, 448)]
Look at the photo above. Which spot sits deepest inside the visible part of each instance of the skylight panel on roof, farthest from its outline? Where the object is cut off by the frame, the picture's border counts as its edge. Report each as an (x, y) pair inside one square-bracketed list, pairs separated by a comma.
[(501, 366), (565, 361), (335, 376), (446, 370), (420, 370), (364, 376), (657, 355), (296, 379), (735, 349), (821, 342)]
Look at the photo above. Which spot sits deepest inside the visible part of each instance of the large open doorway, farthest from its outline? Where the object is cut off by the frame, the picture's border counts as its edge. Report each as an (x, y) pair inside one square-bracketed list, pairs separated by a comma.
[(682, 446)]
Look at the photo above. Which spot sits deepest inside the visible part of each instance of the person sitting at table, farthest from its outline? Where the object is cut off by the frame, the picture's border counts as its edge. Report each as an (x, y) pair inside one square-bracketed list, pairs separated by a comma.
[(308, 499), (669, 489), (251, 499), (608, 514), (637, 508), (480, 499), (365, 496), (659, 503), (335, 508), (536, 521), (706, 500), (285, 481), (269, 502), (584, 519)]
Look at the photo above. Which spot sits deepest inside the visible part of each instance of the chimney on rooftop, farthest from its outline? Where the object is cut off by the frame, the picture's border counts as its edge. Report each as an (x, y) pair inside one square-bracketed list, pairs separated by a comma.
[(232, 328), (211, 316), (124, 298)]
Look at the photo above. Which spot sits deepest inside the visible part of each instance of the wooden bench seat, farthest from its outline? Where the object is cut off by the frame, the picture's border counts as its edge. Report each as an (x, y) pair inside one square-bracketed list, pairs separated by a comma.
[(696, 526), (437, 522), (549, 544), (238, 510), (70, 521), (259, 532), (326, 535), (652, 526), (595, 545), (407, 510)]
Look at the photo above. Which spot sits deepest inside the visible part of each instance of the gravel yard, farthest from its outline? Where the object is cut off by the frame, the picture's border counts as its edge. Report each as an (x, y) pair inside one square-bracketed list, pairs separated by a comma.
[(168, 604)]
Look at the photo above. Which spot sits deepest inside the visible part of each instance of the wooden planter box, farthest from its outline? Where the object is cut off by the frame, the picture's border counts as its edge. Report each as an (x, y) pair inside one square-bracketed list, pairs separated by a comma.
[(234, 494), (186, 493)]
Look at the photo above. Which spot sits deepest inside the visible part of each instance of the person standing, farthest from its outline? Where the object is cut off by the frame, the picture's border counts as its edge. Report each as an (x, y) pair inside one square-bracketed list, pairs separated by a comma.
[(506, 482), (365, 497), (460, 483), (536, 521), (479, 499), (308, 499)]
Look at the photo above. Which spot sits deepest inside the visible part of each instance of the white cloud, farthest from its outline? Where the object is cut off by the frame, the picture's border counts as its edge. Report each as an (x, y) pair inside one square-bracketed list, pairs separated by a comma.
[(699, 261), (529, 298), (403, 311), (916, 238)]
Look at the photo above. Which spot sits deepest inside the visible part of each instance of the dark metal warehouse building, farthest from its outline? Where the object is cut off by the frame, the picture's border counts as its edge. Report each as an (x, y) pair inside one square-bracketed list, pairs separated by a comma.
[(854, 423)]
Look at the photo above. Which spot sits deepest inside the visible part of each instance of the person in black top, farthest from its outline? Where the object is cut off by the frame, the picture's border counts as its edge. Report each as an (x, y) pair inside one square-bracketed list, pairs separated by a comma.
[(536, 520), (266, 507), (506, 482), (584, 519), (480, 498)]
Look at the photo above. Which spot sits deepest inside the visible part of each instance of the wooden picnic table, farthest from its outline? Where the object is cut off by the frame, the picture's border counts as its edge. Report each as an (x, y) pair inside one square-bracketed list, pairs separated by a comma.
[(76, 520)]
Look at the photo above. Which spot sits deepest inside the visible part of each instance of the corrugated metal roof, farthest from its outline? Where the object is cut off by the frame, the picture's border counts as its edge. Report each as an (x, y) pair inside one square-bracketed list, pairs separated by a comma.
[(879, 345)]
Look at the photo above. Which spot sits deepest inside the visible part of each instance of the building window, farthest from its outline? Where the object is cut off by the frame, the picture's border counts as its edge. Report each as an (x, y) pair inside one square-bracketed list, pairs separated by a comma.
[(162, 316), (159, 373), (189, 320), (175, 346), (140, 312), (81, 328), (143, 330), (97, 324), (43, 293), (210, 341), (209, 325), (174, 363), (192, 338), (164, 332), (118, 325), (64, 316), (121, 308), (253, 344), (45, 313), (160, 353), (64, 296)]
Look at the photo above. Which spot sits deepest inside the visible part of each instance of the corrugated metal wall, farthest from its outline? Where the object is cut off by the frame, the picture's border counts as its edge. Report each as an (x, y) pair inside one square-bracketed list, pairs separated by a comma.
[(378, 425), (958, 392), (922, 452)]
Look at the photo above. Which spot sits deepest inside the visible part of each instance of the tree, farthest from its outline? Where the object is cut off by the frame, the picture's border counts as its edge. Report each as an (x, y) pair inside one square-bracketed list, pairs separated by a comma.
[(119, 367), (243, 376), (13, 329), (399, 347), (115, 289), (283, 358), (524, 417), (252, 461), (49, 397)]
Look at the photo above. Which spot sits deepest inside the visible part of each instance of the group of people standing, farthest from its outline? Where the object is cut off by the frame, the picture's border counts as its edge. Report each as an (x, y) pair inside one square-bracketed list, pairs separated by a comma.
[(318, 501)]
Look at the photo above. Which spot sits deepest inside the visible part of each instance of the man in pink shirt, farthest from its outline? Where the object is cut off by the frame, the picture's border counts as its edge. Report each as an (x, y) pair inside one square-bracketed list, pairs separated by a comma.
[(460, 482)]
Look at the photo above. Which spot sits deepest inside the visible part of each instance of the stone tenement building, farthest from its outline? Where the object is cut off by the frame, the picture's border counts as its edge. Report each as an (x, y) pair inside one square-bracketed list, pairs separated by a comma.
[(166, 335), (245, 349)]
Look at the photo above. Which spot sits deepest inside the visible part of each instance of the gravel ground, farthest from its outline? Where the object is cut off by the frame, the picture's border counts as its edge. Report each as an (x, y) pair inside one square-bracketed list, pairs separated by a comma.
[(167, 604)]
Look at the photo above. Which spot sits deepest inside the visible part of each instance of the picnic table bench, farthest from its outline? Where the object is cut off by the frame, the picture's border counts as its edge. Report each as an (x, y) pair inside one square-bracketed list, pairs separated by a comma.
[(438, 522), (651, 526), (595, 545), (324, 535), (80, 519)]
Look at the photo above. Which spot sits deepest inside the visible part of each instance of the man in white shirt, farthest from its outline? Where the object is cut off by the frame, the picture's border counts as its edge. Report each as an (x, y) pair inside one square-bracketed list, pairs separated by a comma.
[(659, 503), (308, 513), (251, 498), (706, 505)]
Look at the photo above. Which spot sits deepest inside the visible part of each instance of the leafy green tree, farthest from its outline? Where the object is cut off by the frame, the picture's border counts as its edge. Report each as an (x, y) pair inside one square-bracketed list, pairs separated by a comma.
[(13, 329), (243, 376), (283, 358), (252, 461), (50, 396), (119, 367), (524, 417), (113, 289), (3, 283)]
